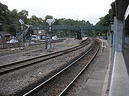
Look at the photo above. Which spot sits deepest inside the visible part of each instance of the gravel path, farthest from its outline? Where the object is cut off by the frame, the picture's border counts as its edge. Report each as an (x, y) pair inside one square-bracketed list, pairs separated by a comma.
[(16, 81)]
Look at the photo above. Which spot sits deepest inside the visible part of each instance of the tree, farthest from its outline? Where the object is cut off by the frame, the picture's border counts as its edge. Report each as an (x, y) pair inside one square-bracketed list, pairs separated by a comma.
[(48, 17), (107, 19), (3, 15), (35, 21), (23, 15)]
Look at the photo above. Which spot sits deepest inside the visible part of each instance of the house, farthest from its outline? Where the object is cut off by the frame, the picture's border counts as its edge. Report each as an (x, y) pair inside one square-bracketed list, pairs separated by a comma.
[(4, 37)]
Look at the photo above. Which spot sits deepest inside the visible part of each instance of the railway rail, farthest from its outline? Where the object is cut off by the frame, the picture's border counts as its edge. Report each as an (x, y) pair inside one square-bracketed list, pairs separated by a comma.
[(28, 62), (59, 84)]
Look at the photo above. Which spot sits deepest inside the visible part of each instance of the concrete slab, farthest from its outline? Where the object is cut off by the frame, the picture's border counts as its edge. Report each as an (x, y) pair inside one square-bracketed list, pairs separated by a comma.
[(98, 75), (93, 88)]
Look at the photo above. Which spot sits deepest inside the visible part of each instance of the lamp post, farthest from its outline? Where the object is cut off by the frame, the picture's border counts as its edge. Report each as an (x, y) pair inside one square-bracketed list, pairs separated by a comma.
[(49, 45)]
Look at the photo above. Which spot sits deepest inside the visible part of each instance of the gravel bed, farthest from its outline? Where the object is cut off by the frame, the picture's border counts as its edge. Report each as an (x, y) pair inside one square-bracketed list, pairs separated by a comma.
[(80, 83), (14, 82), (58, 84), (33, 46), (68, 43)]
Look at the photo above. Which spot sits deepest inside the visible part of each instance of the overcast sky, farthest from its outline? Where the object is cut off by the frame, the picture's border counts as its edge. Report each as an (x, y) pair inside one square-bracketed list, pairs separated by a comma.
[(90, 10)]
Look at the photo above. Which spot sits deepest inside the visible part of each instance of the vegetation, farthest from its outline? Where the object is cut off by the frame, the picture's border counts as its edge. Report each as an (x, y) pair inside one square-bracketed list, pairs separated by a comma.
[(9, 20), (106, 20)]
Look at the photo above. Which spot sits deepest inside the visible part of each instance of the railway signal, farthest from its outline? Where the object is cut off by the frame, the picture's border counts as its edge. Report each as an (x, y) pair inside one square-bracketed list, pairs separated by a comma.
[(48, 41)]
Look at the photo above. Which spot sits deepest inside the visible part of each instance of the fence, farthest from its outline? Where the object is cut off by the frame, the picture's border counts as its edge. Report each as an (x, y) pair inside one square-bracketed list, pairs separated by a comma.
[(10, 45), (16, 45)]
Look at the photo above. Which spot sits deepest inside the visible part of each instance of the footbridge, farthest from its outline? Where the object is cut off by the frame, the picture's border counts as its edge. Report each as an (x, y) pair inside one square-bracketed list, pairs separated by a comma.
[(75, 28), (67, 27)]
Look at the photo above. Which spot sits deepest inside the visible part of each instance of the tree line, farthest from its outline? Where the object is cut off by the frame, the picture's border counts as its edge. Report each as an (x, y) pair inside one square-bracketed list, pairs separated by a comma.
[(9, 20)]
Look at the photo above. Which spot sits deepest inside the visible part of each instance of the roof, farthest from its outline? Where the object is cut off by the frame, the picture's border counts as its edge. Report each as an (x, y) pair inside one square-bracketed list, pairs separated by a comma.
[(120, 7)]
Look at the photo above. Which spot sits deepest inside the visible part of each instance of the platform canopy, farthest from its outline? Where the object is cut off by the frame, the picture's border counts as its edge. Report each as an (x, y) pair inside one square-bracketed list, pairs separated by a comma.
[(120, 7)]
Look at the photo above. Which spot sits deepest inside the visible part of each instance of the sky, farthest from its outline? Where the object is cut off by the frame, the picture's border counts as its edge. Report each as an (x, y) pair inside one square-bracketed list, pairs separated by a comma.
[(90, 10)]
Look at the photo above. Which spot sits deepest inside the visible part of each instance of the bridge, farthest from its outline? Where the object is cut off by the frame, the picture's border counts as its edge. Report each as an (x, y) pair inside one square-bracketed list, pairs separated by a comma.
[(67, 27), (78, 29)]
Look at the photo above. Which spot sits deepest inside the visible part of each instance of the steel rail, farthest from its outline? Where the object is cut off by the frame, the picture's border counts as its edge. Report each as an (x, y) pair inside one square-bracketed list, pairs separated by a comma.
[(65, 90), (37, 87), (16, 65)]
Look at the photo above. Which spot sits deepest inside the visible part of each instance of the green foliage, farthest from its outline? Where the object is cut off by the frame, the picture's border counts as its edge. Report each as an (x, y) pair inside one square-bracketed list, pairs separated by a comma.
[(106, 20), (3, 15), (9, 20), (72, 22), (48, 17), (35, 20), (4, 12)]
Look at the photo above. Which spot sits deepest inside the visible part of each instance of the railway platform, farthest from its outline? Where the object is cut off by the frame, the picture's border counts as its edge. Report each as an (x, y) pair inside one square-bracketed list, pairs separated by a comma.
[(119, 81), (97, 84)]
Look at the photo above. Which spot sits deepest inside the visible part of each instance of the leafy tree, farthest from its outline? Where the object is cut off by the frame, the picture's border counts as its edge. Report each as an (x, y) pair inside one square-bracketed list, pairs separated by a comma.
[(3, 15), (48, 17), (106, 20), (23, 15), (9, 20), (35, 21)]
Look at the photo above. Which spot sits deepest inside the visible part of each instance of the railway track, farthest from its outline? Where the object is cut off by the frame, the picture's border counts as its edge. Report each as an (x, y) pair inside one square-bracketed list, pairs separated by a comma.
[(25, 63), (58, 84)]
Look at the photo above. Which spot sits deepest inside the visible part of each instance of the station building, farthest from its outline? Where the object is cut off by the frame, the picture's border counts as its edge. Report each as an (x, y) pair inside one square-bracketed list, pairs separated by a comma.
[(119, 84)]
